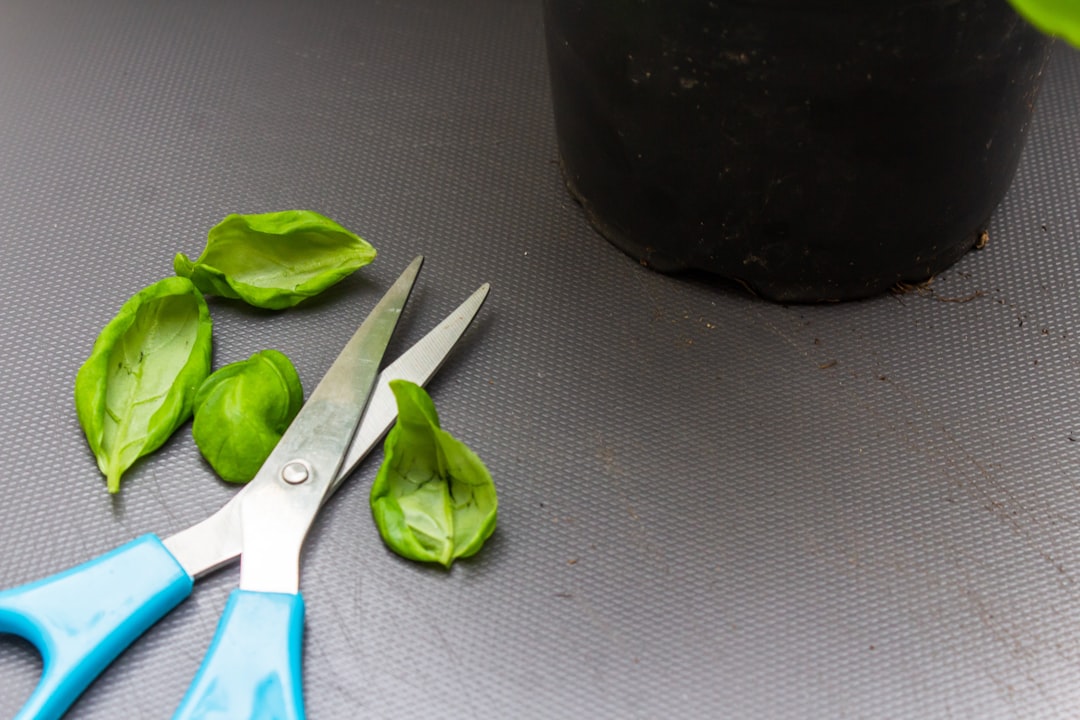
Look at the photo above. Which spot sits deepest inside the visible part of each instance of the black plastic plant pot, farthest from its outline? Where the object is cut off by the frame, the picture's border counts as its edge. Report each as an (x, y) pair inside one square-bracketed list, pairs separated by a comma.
[(813, 150)]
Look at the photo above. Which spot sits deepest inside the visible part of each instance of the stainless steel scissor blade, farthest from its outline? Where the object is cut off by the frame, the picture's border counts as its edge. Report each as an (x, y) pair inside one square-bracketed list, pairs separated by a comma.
[(216, 540), (287, 492)]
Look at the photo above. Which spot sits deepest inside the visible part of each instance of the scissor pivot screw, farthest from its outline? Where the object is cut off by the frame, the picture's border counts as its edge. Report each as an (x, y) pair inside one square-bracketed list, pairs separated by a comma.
[(295, 472)]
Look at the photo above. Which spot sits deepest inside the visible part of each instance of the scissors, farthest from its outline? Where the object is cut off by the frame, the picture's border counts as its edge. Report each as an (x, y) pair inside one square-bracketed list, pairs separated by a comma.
[(82, 618)]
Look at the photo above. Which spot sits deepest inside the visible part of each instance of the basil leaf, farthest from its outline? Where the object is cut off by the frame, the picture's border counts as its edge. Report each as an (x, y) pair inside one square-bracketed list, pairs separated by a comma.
[(275, 260), (138, 384), (433, 500), (242, 410), (1054, 17)]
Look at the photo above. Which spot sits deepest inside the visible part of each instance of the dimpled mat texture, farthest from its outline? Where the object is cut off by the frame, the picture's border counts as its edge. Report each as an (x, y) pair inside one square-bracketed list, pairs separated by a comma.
[(710, 506)]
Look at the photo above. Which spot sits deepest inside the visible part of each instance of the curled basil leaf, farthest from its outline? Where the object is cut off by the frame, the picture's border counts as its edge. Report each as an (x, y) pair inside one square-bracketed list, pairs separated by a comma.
[(242, 410), (139, 382), (433, 500), (275, 260)]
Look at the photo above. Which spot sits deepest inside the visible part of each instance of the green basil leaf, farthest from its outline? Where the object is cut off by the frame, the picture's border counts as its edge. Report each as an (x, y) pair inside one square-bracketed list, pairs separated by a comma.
[(275, 260), (1054, 17), (433, 500), (139, 382), (242, 410)]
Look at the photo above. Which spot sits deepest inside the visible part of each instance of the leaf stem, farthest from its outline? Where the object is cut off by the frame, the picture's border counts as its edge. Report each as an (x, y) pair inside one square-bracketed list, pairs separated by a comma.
[(112, 480)]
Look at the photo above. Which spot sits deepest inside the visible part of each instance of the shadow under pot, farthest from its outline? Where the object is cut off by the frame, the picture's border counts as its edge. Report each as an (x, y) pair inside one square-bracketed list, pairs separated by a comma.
[(814, 150)]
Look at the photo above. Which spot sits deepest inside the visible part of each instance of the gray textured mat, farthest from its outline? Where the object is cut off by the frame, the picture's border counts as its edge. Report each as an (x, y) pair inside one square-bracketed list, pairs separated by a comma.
[(710, 506)]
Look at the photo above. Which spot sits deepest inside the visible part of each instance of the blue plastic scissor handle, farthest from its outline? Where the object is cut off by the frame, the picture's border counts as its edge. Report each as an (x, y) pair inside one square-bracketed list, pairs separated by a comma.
[(252, 669), (82, 618)]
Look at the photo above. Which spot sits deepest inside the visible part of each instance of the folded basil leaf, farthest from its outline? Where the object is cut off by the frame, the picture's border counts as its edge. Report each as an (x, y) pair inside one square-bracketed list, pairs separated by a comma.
[(139, 382), (275, 260), (433, 500), (242, 410)]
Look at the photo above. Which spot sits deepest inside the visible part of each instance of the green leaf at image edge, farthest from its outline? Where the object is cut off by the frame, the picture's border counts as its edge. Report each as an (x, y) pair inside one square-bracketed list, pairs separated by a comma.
[(275, 260), (1054, 17), (432, 500), (139, 382), (242, 410)]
